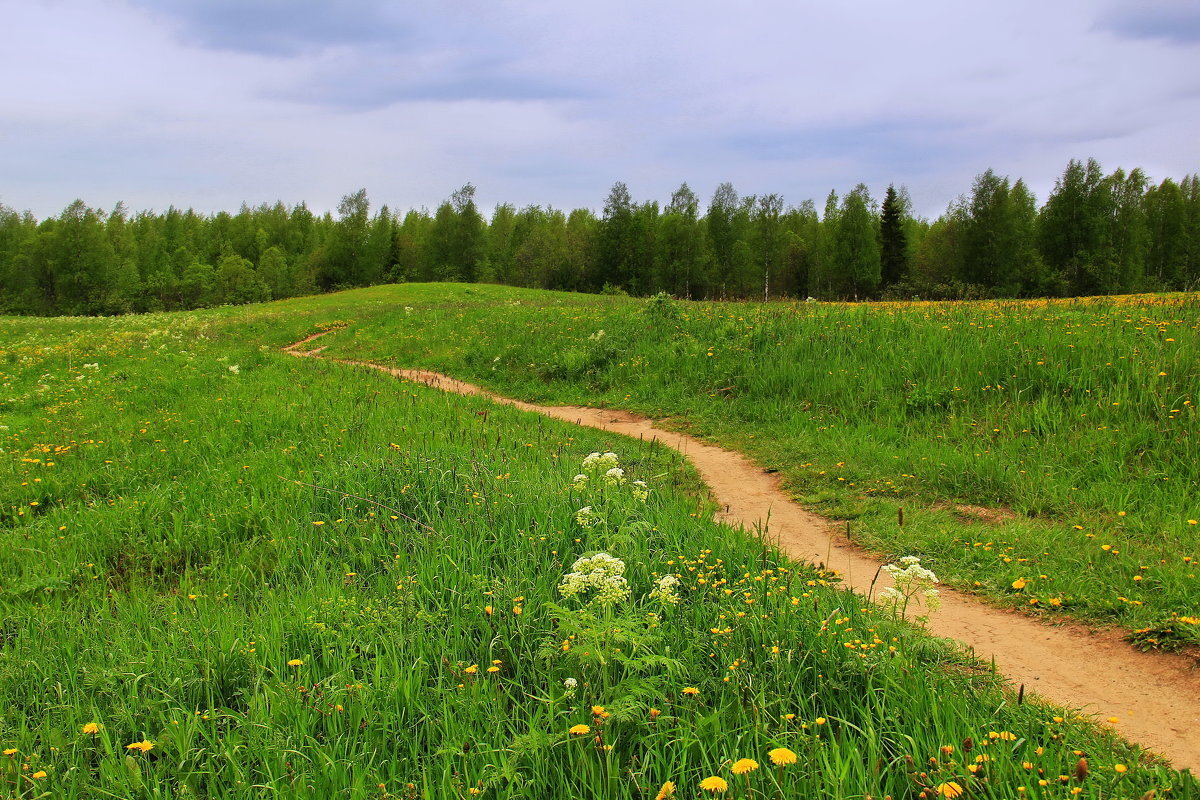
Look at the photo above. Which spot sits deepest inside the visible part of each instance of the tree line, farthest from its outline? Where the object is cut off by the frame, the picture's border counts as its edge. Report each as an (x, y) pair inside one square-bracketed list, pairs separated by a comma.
[(1095, 234)]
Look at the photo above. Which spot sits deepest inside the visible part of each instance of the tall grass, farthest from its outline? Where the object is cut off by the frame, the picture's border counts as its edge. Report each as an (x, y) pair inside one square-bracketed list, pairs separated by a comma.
[(1074, 421), (225, 572)]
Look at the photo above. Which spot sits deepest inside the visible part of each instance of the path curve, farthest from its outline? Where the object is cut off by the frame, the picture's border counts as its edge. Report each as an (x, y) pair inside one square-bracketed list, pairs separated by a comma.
[(1155, 696)]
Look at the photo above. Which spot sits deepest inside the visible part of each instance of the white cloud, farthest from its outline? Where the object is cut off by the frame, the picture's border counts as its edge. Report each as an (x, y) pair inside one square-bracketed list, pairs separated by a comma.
[(211, 104)]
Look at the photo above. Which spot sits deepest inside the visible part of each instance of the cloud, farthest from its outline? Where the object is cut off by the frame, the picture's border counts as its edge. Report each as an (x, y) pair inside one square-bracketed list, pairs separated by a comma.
[(280, 27), (360, 81), (212, 102), (1175, 21), (917, 144)]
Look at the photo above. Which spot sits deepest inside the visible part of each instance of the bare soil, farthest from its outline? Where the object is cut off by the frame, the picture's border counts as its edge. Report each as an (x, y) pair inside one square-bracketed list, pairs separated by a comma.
[(1154, 696)]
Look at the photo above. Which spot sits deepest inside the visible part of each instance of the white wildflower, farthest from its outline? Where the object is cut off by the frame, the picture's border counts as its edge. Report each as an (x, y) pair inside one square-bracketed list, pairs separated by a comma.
[(665, 590), (600, 562), (579, 481), (587, 518), (614, 476), (640, 491), (92, 366), (597, 463), (911, 582), (612, 590), (600, 575), (890, 596), (234, 369)]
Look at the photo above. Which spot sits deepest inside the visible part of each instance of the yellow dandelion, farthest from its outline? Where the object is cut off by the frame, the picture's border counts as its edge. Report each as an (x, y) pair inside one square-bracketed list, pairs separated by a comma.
[(781, 757), (597, 710), (949, 789), (296, 662), (41, 773), (144, 746), (579, 730), (667, 790), (714, 784), (820, 720), (1120, 768), (691, 691), (92, 727), (743, 766), (471, 670), (1019, 584)]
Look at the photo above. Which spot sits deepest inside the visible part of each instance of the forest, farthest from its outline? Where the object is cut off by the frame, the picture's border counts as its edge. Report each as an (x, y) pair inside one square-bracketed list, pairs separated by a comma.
[(1095, 234)]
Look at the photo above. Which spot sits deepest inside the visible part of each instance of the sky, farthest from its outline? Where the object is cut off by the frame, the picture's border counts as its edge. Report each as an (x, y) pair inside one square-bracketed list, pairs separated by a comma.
[(212, 103)]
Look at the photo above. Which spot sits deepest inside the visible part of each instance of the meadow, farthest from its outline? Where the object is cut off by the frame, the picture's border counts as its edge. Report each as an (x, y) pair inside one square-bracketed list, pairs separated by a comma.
[(1045, 453), (226, 572)]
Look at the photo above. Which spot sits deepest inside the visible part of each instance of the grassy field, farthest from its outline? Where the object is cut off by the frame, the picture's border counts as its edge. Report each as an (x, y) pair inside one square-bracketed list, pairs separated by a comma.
[(1045, 453), (226, 572)]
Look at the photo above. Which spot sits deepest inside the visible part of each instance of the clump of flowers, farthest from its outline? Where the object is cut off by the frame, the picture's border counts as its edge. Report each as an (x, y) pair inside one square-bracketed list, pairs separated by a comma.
[(601, 576), (587, 518), (640, 491), (911, 582), (596, 463), (665, 590), (614, 476)]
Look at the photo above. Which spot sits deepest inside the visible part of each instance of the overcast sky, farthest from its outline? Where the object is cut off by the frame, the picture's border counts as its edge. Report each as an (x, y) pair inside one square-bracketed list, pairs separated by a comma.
[(209, 103)]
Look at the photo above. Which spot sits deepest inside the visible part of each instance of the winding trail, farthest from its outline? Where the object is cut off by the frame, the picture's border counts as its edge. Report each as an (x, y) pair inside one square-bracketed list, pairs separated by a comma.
[(1155, 696)]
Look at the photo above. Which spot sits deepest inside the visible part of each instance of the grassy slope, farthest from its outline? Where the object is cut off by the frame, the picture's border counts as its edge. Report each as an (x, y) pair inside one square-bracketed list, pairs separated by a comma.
[(157, 577), (1078, 417)]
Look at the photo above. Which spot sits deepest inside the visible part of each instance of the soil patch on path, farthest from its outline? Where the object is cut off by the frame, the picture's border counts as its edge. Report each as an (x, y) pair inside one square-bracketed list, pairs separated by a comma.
[(1154, 696)]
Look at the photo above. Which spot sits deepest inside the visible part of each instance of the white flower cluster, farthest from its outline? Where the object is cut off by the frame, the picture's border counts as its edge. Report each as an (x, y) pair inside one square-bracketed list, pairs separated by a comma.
[(597, 336), (570, 684), (614, 476), (911, 580), (640, 491), (587, 518), (602, 574), (596, 463), (579, 481), (664, 590)]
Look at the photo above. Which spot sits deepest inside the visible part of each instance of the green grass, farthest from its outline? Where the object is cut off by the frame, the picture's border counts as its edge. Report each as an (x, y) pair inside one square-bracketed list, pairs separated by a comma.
[(186, 510), (1075, 420)]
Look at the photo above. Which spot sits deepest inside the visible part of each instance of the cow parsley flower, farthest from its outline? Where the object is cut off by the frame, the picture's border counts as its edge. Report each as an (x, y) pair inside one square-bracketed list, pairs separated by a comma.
[(601, 576), (664, 590), (597, 463), (911, 581)]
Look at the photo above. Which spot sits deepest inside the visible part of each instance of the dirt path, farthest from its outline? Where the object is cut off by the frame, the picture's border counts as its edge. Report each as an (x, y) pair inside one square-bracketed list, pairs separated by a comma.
[(1155, 696)]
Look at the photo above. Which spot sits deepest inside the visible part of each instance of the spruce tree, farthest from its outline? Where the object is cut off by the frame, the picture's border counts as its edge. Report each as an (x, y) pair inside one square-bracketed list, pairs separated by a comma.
[(893, 244)]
